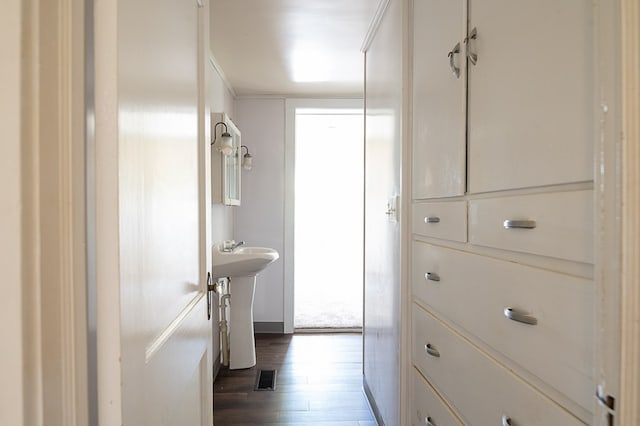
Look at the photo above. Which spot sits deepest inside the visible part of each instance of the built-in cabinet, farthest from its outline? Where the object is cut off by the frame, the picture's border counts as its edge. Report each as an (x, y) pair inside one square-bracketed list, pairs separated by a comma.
[(439, 99), (502, 217)]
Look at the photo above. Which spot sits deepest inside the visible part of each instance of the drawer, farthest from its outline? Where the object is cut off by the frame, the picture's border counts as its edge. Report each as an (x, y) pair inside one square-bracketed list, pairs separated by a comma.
[(481, 391), (446, 220), (563, 224), (427, 406), (473, 292)]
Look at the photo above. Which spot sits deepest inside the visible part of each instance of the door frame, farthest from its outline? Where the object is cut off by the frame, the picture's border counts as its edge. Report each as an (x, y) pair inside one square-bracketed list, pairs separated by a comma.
[(291, 105), (629, 18), (51, 385)]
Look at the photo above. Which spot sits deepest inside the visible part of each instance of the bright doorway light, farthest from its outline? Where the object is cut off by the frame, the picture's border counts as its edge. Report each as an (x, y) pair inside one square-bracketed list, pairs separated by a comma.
[(329, 202)]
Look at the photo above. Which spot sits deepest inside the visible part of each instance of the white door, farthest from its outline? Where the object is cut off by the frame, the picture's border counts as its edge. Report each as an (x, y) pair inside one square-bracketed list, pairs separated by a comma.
[(383, 154), (439, 98), (154, 338), (530, 93)]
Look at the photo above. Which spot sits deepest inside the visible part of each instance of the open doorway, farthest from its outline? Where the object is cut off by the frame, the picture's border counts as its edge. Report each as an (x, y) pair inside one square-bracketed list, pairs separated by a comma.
[(328, 218)]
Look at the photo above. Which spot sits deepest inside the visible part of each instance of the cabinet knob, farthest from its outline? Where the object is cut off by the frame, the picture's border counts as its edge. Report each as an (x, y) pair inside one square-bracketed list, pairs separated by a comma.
[(519, 224), (432, 219), (431, 350), (429, 422), (506, 420), (515, 315)]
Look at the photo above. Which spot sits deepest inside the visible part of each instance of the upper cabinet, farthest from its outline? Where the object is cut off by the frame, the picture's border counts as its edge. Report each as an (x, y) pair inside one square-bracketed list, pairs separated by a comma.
[(530, 92), (225, 169), (502, 95), (439, 99)]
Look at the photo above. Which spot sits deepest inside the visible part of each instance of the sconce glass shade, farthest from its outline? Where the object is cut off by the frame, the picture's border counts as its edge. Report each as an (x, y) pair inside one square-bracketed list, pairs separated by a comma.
[(226, 144), (247, 161)]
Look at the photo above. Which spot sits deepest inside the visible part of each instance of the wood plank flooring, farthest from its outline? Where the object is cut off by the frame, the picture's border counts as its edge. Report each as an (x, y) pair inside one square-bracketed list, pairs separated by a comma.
[(319, 382)]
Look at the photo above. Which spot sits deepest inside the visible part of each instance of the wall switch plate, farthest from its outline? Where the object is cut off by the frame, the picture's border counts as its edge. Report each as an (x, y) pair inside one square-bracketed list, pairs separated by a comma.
[(393, 206)]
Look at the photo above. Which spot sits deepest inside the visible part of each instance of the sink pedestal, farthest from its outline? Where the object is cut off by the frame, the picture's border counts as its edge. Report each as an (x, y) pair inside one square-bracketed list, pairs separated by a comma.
[(242, 346)]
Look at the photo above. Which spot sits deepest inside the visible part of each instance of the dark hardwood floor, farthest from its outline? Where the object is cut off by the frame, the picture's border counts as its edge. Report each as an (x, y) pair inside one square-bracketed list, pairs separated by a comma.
[(319, 382)]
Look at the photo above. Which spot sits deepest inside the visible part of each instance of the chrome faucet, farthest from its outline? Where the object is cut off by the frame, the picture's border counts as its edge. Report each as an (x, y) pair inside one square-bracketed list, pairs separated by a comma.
[(231, 245), (236, 245)]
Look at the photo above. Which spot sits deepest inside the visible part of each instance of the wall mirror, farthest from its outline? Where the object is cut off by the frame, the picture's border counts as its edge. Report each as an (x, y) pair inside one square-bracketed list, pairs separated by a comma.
[(225, 169)]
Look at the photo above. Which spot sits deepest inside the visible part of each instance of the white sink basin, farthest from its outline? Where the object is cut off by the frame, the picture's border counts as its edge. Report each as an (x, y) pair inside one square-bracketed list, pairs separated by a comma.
[(242, 262)]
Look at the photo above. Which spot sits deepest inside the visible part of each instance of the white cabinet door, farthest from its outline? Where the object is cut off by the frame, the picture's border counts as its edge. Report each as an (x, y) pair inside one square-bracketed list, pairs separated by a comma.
[(530, 93), (438, 99)]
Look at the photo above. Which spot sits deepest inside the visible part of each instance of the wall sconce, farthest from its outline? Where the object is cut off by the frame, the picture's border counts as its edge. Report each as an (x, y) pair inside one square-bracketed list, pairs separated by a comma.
[(247, 159), (226, 141)]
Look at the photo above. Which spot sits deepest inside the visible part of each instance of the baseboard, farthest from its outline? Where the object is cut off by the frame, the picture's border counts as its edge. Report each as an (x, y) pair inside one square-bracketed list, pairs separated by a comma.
[(216, 366), (268, 327), (372, 402), (349, 330)]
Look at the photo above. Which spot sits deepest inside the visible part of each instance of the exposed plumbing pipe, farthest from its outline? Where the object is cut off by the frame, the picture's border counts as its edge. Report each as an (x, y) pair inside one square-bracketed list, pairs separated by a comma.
[(224, 335)]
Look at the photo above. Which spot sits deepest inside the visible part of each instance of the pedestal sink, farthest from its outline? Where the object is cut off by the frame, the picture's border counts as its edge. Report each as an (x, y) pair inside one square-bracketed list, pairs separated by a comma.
[(241, 265)]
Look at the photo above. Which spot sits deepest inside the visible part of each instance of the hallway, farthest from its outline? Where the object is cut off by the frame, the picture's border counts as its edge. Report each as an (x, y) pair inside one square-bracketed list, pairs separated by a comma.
[(319, 382)]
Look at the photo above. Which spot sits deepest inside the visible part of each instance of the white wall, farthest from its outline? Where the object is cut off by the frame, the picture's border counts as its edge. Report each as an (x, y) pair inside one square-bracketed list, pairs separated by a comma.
[(222, 217), (221, 100), (260, 218)]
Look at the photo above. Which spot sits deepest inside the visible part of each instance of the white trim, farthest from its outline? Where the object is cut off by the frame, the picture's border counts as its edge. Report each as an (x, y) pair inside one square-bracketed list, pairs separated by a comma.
[(606, 203), (285, 96), (406, 368), (14, 309), (289, 214), (383, 5), (107, 214), (216, 66), (289, 192), (52, 181), (164, 336), (629, 411)]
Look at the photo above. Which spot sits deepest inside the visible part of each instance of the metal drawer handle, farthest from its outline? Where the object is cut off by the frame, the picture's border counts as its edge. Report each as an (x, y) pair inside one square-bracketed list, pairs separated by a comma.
[(455, 70), (473, 58), (432, 276), (519, 224), (431, 219), (428, 421), (515, 315), (431, 350), (506, 421)]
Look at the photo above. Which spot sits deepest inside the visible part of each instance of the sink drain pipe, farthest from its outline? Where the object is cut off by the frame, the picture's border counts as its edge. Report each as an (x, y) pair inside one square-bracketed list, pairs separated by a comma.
[(224, 335)]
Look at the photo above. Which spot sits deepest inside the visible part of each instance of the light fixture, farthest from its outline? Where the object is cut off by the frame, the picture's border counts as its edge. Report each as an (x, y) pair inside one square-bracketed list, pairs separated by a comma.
[(247, 159), (226, 141)]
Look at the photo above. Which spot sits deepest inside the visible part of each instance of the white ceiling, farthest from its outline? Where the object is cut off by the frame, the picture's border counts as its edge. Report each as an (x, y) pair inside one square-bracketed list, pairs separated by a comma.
[(291, 47)]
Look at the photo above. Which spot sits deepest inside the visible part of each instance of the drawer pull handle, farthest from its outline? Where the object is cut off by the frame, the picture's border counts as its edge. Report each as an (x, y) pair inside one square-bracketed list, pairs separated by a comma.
[(454, 70), (431, 350), (519, 224), (506, 421), (428, 421), (431, 219), (514, 315), (432, 276)]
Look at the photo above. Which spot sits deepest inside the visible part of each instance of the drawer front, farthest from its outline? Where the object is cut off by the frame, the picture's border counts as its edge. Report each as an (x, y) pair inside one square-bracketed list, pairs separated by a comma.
[(480, 390), (474, 291), (446, 220), (427, 407), (557, 224)]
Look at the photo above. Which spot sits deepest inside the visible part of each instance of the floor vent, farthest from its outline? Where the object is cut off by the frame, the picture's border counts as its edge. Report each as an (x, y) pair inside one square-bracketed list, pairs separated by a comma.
[(266, 380)]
